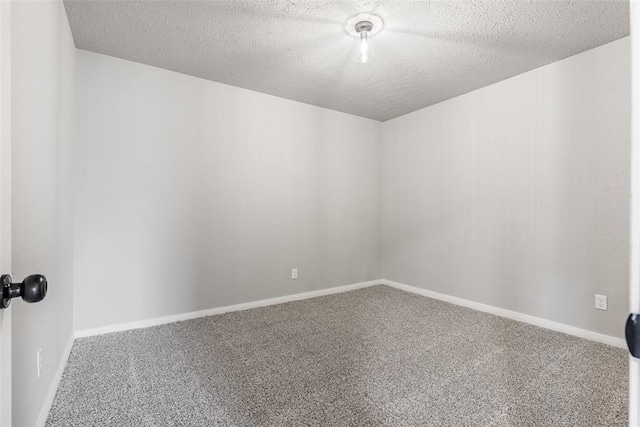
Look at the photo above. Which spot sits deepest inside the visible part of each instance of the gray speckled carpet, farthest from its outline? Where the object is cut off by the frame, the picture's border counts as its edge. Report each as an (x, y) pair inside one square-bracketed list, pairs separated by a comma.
[(375, 356)]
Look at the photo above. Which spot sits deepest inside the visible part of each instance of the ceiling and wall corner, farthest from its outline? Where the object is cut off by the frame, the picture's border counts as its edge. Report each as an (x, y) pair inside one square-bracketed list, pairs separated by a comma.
[(213, 144), (428, 51)]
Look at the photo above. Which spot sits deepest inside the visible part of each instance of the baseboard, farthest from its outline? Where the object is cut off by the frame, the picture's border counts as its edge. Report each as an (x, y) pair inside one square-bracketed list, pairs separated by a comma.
[(514, 315), (48, 402), (220, 310)]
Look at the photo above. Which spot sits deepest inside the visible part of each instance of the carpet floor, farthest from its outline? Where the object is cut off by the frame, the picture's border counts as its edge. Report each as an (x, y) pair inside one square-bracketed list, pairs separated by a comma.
[(371, 357)]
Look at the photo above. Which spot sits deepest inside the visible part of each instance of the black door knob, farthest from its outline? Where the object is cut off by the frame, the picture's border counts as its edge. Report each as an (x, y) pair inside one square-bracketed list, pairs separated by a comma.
[(32, 289), (632, 333)]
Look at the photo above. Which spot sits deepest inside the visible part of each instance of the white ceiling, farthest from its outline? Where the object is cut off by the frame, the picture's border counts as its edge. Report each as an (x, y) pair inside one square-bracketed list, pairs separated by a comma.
[(427, 52)]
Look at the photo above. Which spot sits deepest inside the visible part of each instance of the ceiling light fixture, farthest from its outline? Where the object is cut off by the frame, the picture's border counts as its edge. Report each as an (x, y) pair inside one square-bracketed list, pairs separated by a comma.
[(365, 50), (363, 27)]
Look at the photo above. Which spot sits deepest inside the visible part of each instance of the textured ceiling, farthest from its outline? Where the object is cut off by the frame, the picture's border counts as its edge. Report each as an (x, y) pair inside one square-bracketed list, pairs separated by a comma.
[(427, 52)]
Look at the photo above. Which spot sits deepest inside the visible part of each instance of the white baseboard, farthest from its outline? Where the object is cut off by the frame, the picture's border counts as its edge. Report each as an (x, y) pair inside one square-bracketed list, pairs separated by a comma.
[(514, 315), (48, 402), (212, 311)]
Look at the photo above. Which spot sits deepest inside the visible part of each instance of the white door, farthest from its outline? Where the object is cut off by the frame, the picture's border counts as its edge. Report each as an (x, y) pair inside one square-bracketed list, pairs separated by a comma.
[(5, 208), (634, 294)]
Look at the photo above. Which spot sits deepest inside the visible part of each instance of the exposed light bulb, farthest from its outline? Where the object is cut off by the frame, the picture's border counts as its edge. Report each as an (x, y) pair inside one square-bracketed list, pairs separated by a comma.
[(364, 47), (365, 50)]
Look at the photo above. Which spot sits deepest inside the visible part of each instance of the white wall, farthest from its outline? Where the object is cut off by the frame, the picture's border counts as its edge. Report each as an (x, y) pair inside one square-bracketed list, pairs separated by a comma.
[(194, 194), (43, 62), (5, 206), (516, 195)]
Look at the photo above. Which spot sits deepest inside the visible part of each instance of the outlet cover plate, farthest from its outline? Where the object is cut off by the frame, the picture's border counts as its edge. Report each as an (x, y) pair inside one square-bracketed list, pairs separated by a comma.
[(601, 302)]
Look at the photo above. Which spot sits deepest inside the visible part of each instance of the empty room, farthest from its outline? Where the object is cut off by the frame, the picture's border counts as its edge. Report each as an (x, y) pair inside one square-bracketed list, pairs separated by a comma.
[(319, 213)]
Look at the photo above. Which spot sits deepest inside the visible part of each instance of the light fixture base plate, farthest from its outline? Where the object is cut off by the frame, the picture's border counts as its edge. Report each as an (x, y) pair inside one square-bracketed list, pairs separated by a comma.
[(364, 26), (376, 22)]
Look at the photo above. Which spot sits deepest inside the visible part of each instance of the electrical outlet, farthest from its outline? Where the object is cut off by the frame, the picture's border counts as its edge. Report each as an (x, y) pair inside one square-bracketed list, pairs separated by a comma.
[(40, 360), (601, 302), (294, 273)]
